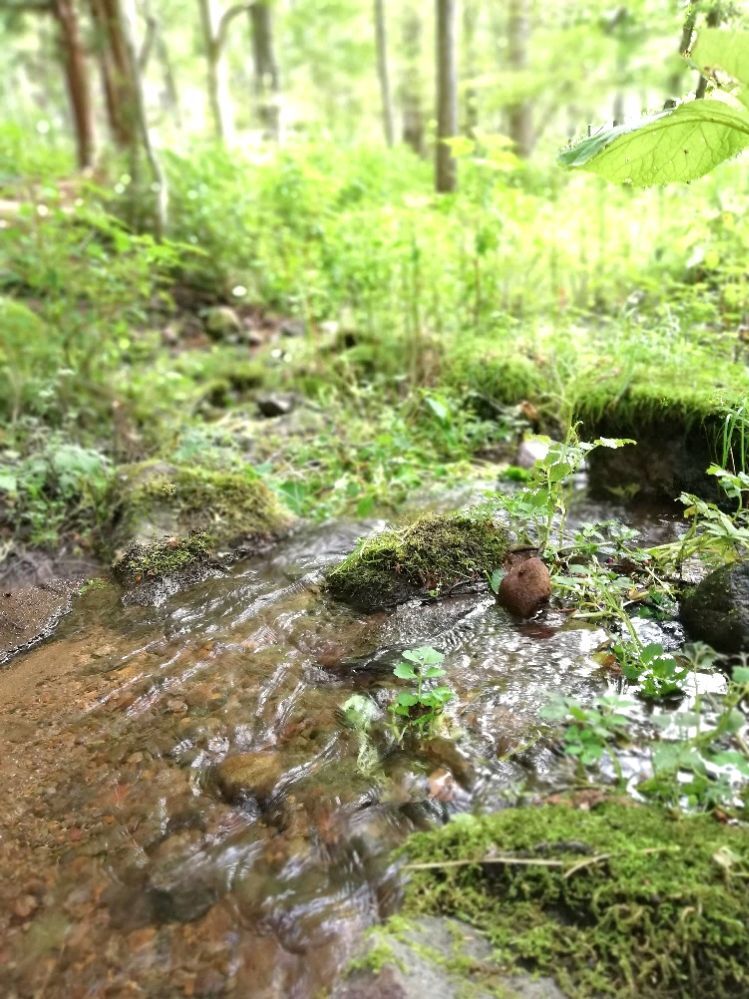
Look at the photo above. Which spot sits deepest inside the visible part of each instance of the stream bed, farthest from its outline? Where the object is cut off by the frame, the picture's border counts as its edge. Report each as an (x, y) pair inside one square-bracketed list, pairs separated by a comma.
[(129, 866)]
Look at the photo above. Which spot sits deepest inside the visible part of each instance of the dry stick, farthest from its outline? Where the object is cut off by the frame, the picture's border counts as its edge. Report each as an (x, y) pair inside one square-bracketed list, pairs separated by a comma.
[(531, 862)]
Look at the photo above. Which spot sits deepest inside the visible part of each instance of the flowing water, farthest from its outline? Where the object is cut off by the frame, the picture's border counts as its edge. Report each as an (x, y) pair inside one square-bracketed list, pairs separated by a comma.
[(129, 868)]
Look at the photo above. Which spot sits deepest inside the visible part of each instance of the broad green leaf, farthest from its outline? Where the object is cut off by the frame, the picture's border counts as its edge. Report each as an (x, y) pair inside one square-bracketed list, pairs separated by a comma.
[(678, 145), (432, 672), (404, 672), (726, 50), (740, 674)]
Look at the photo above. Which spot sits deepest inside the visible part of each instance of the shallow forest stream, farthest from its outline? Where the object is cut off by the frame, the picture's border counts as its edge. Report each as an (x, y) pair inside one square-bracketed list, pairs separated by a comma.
[(133, 863)]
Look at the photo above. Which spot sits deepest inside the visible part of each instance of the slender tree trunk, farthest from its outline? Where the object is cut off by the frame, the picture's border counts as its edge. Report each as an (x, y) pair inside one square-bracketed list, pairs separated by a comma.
[(411, 87), (470, 97), (267, 78), (156, 46), (218, 81), (383, 72), (447, 95), (76, 78), (520, 119), (117, 79), (127, 21)]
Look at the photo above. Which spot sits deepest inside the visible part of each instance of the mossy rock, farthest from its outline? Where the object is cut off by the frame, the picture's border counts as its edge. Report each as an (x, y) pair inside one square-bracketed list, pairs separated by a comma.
[(620, 901), (429, 557), (717, 610), (171, 520), (432, 956)]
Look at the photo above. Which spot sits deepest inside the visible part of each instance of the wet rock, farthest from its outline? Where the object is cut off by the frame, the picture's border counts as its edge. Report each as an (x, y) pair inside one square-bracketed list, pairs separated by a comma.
[(531, 451), (717, 610), (29, 614), (525, 588), (275, 404), (249, 775), (173, 522), (436, 957), (292, 328), (430, 557), (222, 322)]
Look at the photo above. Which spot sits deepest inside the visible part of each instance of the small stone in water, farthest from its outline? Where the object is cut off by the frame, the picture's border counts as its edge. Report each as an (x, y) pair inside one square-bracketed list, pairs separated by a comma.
[(248, 775)]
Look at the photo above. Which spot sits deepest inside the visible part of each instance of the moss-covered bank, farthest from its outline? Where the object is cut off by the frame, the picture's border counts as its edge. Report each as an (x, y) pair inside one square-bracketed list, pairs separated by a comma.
[(430, 556), (620, 901)]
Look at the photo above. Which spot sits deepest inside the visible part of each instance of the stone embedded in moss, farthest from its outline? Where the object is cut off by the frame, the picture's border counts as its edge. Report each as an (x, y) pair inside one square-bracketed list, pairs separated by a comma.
[(172, 518), (644, 902), (432, 555)]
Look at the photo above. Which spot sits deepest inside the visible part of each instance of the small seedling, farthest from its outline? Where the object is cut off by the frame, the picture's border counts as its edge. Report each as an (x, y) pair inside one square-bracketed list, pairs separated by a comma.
[(419, 709), (658, 674)]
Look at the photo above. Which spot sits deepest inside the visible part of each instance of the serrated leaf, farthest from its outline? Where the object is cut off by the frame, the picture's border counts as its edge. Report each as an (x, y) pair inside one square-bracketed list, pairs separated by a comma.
[(677, 145)]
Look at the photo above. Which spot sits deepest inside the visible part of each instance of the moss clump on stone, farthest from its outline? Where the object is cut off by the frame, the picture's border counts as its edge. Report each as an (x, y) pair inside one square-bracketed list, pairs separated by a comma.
[(642, 903), (170, 517), (432, 555), (166, 558)]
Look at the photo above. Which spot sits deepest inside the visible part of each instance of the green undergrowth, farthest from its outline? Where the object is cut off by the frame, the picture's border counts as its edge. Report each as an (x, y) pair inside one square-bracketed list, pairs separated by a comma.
[(620, 901), (429, 557)]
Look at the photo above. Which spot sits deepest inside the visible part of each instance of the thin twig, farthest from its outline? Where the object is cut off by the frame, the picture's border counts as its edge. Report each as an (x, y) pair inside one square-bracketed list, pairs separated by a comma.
[(537, 862)]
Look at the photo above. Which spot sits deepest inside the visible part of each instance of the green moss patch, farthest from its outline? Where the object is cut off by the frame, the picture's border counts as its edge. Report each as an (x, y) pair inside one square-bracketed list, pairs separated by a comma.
[(620, 901), (171, 517), (430, 556)]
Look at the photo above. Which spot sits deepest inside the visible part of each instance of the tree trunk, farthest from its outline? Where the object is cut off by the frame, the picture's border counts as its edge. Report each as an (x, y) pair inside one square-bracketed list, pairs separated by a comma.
[(383, 72), (447, 95), (218, 81), (76, 78), (116, 73), (410, 88), (127, 21), (267, 80), (470, 97), (520, 116)]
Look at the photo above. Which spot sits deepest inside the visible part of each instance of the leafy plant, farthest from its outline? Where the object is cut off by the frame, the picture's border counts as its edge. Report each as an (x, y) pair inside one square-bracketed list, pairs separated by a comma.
[(591, 731), (419, 709), (359, 714), (657, 673), (544, 502), (685, 142)]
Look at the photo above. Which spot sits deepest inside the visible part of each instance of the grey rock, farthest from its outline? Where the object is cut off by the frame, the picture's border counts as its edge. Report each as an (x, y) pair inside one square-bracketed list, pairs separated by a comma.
[(292, 327), (531, 451), (717, 610), (420, 966), (221, 322), (275, 405)]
